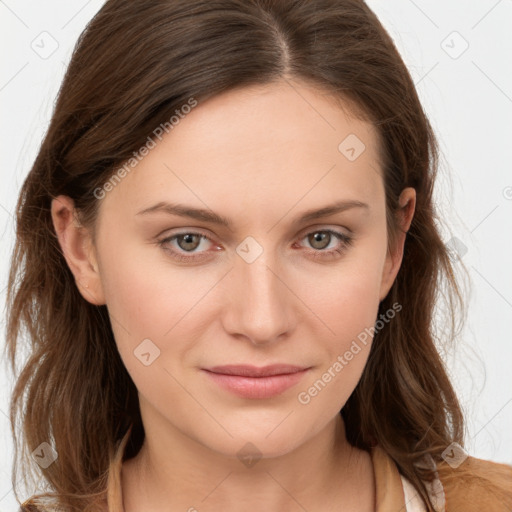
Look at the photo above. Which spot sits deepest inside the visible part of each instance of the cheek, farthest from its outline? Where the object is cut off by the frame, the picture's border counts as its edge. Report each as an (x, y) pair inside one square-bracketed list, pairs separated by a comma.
[(141, 303), (350, 316), (150, 299), (346, 295), (144, 294), (347, 303)]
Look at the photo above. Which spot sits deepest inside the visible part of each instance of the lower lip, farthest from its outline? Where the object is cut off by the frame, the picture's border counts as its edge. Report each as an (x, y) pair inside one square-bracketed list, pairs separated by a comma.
[(256, 387)]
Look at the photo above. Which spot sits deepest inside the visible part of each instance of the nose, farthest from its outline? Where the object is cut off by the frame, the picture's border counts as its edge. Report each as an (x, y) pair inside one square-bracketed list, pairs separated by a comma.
[(260, 304)]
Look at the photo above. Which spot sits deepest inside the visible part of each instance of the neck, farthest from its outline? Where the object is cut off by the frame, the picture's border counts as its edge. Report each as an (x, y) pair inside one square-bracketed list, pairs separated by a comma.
[(174, 472)]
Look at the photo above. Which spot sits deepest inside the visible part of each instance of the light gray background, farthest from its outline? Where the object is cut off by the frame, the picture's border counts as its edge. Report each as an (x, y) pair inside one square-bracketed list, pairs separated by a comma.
[(467, 94)]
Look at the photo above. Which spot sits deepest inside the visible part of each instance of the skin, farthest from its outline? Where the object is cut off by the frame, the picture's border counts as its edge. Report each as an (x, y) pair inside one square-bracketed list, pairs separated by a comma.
[(259, 156)]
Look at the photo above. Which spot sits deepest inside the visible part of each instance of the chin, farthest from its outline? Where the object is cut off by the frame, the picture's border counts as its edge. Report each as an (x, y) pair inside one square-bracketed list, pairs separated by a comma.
[(259, 444)]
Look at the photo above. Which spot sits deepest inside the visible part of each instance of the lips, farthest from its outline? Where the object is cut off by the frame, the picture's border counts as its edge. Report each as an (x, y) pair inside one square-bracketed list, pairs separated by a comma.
[(254, 371), (256, 383)]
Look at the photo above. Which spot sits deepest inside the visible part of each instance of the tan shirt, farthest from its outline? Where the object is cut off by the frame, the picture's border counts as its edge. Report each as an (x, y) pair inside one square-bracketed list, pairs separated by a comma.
[(394, 492), (476, 486)]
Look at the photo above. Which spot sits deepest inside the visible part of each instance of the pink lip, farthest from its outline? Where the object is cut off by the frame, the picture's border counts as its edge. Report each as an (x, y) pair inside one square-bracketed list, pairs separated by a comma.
[(253, 382)]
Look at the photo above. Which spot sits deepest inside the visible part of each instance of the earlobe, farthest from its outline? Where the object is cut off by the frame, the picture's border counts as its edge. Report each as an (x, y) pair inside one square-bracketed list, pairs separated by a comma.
[(407, 205), (76, 245)]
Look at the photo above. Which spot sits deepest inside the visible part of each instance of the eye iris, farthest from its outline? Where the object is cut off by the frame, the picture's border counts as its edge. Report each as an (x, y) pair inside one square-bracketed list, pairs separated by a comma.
[(189, 239), (319, 236)]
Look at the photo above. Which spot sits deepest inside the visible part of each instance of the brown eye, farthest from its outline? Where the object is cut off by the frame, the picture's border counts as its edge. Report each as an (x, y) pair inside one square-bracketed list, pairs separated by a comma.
[(188, 241), (319, 239), (187, 246)]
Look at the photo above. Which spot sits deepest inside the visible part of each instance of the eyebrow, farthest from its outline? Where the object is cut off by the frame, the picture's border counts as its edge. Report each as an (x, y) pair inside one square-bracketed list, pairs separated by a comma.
[(206, 215)]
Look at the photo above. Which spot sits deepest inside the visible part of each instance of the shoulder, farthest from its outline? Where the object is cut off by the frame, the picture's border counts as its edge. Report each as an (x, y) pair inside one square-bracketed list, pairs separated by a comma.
[(477, 485)]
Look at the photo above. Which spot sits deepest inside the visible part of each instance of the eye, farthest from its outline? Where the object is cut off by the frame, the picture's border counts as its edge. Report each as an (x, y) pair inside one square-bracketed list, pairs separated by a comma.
[(183, 246), (186, 242), (320, 240)]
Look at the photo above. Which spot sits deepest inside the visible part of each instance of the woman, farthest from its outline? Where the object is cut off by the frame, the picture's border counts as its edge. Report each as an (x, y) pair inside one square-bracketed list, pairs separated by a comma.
[(227, 262)]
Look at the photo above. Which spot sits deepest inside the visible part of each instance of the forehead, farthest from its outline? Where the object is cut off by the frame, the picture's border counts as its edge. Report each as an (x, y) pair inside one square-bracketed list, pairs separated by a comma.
[(280, 143)]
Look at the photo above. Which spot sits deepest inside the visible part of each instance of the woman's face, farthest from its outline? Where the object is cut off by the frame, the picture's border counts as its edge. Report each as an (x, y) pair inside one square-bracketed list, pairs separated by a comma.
[(187, 293)]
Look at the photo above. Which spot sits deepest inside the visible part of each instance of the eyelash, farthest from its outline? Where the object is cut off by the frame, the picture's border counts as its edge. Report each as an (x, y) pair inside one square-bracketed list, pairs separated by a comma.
[(315, 254)]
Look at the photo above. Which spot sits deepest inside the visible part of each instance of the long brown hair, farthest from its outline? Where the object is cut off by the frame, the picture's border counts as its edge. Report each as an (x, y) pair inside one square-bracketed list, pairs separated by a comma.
[(135, 64)]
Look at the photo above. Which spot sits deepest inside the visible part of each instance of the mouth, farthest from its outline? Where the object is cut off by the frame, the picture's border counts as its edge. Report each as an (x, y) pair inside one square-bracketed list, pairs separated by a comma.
[(254, 382)]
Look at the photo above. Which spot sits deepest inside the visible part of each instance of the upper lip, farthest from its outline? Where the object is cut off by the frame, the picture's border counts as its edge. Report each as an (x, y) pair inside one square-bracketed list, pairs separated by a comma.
[(254, 371)]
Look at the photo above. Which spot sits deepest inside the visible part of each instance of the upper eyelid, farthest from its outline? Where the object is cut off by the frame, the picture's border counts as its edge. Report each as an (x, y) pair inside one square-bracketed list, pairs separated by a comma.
[(325, 227), (302, 232)]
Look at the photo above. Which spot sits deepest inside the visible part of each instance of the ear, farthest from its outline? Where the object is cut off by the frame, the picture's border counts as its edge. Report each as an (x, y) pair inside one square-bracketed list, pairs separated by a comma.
[(78, 249), (405, 213)]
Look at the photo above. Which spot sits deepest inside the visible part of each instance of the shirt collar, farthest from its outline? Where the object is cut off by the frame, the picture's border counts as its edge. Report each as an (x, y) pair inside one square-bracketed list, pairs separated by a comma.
[(389, 492)]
